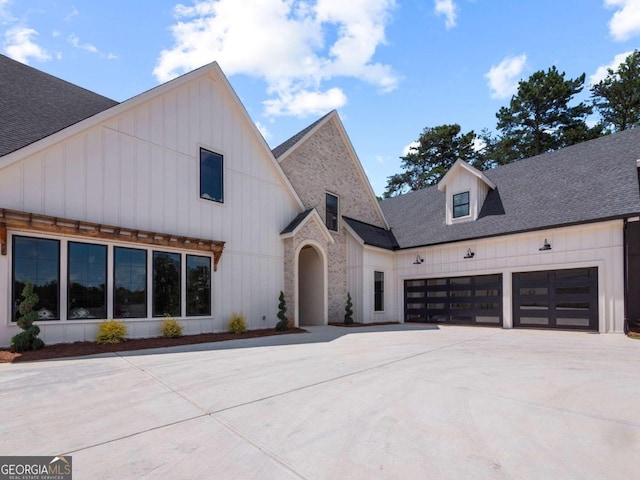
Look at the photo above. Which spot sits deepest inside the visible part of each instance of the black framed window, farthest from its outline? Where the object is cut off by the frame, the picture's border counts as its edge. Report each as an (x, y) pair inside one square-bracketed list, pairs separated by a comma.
[(167, 269), (198, 285), (130, 283), (331, 219), (87, 281), (461, 205), (378, 302), (37, 260), (211, 176)]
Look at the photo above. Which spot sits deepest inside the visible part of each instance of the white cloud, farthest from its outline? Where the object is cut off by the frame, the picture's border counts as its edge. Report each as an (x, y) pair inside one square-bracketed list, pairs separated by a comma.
[(295, 46), (5, 15), (19, 44), (75, 41), (603, 70), (447, 8), (263, 130), (503, 78), (412, 146), (73, 13), (625, 22), (305, 102), (478, 144)]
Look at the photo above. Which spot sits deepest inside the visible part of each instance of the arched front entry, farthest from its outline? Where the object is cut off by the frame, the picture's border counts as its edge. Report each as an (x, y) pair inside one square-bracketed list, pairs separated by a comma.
[(311, 273)]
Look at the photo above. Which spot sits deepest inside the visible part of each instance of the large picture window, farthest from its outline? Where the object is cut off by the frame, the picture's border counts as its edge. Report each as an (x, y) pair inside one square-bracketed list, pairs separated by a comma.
[(166, 284), (331, 212), (87, 282), (211, 176), (130, 283), (378, 291), (37, 260), (198, 285)]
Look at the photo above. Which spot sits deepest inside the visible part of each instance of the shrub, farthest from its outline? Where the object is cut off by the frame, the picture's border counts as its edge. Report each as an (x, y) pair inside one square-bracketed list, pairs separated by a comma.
[(283, 324), (348, 311), (28, 338), (111, 331), (171, 328), (237, 323)]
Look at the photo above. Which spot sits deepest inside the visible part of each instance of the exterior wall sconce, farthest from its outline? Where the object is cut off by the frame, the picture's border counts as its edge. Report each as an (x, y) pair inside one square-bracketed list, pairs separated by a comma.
[(418, 260), (470, 254), (546, 246)]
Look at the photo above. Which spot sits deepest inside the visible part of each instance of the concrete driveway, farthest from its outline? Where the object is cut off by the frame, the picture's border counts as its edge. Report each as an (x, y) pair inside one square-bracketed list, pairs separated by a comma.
[(395, 402)]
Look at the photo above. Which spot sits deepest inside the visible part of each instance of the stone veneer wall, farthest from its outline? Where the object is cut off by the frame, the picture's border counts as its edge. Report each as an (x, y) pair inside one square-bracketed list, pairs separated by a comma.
[(322, 164), (309, 231)]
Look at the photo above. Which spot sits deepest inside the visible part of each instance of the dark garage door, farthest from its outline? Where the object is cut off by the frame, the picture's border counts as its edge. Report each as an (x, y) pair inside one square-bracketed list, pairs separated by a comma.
[(566, 299), (473, 300)]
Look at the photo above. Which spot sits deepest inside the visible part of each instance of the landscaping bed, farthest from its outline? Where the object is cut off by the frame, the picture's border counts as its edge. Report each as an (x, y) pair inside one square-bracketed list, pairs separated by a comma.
[(78, 349)]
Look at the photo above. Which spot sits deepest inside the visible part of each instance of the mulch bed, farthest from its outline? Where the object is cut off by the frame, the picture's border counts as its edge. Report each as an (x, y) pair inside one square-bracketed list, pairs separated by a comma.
[(355, 324), (79, 349)]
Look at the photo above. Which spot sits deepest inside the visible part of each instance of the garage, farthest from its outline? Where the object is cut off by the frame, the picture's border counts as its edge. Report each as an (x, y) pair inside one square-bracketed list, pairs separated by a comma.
[(469, 300), (563, 299)]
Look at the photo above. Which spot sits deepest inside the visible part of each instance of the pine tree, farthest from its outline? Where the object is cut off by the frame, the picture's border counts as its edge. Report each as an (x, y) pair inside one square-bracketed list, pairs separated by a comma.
[(617, 96)]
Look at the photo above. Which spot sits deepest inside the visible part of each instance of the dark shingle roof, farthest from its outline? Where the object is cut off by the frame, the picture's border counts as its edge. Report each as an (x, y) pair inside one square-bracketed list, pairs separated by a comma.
[(34, 105), (372, 235), (296, 221), (591, 181), (288, 144)]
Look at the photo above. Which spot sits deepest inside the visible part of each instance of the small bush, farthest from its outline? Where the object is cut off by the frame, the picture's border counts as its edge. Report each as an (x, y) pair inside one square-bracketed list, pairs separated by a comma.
[(111, 331), (237, 323), (171, 328), (28, 338), (283, 323), (348, 311)]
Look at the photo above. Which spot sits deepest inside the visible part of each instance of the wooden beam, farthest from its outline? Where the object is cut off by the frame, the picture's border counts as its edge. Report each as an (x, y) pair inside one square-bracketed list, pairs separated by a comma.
[(3, 238), (59, 226)]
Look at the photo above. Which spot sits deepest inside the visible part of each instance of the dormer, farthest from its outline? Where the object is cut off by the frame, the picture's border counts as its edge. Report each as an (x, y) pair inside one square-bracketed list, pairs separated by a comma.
[(466, 188)]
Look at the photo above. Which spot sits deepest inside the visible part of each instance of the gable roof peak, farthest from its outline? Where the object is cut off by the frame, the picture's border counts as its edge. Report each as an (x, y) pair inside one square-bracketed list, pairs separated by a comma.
[(291, 142), (464, 166)]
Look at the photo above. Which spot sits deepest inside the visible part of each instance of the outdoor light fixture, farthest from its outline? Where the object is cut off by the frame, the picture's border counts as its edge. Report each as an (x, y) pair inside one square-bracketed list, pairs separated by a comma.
[(546, 246), (418, 260), (470, 254)]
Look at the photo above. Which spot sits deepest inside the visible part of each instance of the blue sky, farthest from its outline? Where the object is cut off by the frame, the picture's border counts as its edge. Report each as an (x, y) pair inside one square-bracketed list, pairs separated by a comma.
[(390, 67)]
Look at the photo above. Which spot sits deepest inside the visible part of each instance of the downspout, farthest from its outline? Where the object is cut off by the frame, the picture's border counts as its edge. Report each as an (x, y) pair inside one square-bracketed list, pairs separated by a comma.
[(625, 250)]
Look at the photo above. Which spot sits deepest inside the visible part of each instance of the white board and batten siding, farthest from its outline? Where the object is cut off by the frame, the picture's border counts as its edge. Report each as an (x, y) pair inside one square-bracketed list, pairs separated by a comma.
[(362, 263), (140, 170), (590, 245)]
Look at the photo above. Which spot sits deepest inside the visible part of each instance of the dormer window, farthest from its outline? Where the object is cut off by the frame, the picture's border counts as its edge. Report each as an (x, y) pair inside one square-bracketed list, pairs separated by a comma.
[(461, 205)]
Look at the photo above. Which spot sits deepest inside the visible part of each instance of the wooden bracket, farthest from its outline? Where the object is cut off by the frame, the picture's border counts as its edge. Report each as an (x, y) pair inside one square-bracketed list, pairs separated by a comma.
[(3, 238), (217, 254)]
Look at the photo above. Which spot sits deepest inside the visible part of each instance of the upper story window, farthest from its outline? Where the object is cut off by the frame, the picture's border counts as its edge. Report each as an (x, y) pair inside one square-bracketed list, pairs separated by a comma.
[(332, 212), (211, 176), (461, 205)]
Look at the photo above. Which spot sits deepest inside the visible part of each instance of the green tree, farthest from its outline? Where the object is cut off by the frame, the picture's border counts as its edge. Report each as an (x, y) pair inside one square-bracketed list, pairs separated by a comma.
[(539, 118), (437, 150), (617, 96)]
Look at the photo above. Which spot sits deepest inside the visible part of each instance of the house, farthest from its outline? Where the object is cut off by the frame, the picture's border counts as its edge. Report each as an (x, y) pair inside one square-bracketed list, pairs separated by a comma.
[(171, 203)]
